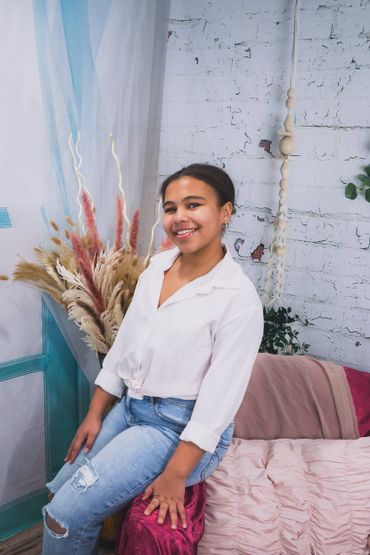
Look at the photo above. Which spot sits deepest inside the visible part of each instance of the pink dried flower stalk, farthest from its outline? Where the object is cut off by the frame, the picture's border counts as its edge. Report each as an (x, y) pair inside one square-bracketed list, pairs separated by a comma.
[(134, 231), (166, 243), (84, 262), (91, 226), (119, 224)]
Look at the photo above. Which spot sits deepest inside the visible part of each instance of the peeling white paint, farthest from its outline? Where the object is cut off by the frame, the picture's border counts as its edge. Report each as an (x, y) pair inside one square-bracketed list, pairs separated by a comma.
[(227, 73)]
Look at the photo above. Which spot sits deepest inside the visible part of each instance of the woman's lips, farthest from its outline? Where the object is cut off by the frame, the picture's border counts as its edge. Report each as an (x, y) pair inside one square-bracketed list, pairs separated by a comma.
[(185, 233)]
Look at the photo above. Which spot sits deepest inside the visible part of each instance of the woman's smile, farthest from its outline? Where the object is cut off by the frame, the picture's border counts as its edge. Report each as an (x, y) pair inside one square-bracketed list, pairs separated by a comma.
[(185, 233)]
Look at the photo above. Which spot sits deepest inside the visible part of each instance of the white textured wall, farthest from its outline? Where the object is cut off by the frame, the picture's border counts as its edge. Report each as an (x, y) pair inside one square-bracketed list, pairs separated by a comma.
[(227, 72)]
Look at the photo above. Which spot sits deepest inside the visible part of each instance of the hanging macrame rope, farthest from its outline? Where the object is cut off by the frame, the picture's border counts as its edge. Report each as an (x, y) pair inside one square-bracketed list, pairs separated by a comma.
[(274, 281)]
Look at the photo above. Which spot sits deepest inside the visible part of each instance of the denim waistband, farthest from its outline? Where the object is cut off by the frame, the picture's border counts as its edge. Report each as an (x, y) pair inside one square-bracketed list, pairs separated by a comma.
[(171, 400)]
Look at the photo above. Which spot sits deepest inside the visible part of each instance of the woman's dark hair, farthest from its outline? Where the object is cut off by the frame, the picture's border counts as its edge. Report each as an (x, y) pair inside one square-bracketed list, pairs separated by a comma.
[(212, 175)]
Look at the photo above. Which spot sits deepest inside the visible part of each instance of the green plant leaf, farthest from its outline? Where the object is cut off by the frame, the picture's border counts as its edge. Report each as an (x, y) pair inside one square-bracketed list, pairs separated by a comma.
[(351, 191), (279, 336), (367, 170), (367, 194), (365, 179)]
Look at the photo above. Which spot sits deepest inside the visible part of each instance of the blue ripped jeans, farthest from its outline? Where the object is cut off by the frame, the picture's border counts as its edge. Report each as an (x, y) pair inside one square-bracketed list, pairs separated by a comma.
[(135, 443)]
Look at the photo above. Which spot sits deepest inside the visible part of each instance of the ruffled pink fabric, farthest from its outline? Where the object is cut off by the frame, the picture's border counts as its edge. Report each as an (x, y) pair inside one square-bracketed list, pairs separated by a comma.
[(291, 497), (142, 535)]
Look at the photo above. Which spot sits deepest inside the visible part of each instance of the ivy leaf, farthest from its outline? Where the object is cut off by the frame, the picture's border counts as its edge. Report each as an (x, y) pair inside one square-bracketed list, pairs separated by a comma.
[(365, 179), (367, 170), (367, 194), (351, 191), (279, 337)]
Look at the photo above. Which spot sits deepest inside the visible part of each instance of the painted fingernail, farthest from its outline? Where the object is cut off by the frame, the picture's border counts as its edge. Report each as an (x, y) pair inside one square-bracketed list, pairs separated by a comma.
[(146, 512), (173, 526)]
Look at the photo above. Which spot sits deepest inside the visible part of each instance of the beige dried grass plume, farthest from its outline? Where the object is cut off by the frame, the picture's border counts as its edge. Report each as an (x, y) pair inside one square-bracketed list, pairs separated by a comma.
[(94, 286), (93, 283)]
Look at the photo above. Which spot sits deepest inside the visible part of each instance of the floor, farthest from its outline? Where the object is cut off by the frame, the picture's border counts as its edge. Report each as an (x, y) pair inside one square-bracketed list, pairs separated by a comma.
[(29, 543)]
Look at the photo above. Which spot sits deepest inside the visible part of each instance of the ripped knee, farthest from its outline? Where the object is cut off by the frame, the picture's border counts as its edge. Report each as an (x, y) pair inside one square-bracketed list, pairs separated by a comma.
[(84, 477), (54, 527)]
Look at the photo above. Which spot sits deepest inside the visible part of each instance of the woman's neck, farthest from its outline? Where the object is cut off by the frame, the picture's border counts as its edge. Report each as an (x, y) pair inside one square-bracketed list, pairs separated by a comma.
[(201, 262)]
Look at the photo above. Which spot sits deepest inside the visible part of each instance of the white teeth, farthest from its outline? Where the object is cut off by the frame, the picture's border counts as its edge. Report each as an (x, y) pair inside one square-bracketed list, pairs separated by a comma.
[(182, 231)]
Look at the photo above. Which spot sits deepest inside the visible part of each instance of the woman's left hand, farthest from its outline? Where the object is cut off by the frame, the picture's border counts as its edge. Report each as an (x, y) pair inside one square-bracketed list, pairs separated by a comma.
[(168, 494)]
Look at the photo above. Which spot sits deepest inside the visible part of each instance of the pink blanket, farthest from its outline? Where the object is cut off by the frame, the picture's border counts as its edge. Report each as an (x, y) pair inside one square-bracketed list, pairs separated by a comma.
[(296, 397)]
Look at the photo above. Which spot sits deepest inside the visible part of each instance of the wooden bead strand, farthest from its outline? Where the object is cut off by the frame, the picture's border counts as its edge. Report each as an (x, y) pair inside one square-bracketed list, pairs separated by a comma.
[(274, 280)]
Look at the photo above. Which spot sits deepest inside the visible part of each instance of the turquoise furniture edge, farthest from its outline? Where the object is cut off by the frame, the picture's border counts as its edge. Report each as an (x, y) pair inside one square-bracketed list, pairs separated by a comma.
[(66, 398)]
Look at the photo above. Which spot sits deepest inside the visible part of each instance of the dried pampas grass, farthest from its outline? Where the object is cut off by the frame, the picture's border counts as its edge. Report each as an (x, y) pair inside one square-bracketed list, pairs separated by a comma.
[(93, 284)]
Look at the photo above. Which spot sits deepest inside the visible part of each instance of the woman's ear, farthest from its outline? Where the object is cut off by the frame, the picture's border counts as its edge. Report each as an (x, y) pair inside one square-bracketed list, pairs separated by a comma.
[(227, 210)]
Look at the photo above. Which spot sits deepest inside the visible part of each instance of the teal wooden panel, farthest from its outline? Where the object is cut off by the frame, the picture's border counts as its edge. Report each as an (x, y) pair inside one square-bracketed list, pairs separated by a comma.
[(66, 401), (21, 514), (5, 220)]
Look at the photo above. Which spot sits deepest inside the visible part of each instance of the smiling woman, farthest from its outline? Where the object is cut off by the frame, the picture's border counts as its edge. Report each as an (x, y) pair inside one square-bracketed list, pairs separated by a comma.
[(198, 202), (185, 351)]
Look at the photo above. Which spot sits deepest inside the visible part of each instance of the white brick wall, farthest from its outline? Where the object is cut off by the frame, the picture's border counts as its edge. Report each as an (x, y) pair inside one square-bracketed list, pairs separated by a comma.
[(227, 72)]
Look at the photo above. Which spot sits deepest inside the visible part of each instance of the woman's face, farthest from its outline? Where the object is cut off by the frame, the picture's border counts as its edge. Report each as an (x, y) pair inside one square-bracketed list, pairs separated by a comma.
[(192, 217)]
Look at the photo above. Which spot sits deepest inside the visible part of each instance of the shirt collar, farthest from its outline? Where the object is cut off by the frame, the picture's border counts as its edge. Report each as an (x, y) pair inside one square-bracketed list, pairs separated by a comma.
[(227, 273)]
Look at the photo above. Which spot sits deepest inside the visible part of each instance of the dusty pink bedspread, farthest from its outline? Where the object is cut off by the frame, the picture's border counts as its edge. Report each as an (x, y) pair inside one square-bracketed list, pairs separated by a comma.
[(291, 497)]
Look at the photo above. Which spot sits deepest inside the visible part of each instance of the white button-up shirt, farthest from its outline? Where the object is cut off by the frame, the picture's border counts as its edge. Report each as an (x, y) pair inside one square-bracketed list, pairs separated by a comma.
[(199, 344)]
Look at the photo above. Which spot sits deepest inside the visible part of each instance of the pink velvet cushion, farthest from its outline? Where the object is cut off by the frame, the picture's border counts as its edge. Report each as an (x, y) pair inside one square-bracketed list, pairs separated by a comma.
[(359, 384), (142, 535), (289, 496)]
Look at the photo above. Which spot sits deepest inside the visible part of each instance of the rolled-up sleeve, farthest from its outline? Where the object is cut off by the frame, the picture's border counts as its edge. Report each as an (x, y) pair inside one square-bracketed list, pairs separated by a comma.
[(109, 380), (236, 343)]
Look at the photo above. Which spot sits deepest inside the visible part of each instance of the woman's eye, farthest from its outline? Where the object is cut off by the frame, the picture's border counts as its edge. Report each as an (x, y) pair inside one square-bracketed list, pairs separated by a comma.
[(173, 209)]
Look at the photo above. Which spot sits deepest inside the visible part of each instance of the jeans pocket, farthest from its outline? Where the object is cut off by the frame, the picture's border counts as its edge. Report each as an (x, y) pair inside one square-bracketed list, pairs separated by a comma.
[(174, 411), (211, 463), (227, 436)]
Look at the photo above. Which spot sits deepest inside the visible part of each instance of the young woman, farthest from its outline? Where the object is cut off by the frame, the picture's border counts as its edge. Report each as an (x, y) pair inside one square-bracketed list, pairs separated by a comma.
[(185, 350)]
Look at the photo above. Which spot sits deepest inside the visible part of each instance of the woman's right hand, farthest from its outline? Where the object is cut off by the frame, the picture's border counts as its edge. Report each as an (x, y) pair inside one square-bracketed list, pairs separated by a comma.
[(84, 437)]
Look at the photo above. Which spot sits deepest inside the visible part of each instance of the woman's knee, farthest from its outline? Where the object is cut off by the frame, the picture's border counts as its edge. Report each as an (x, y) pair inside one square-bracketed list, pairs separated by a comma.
[(69, 503), (53, 525)]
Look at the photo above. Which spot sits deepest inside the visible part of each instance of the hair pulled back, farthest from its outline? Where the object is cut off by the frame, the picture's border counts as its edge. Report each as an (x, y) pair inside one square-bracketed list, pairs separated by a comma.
[(215, 177)]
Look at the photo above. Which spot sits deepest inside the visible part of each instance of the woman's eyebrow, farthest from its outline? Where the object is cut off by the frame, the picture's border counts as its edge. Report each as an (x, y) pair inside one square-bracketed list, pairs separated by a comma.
[(190, 197)]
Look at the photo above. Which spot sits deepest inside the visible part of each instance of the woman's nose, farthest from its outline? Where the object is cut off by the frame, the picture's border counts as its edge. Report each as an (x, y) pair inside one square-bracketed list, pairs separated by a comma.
[(180, 215)]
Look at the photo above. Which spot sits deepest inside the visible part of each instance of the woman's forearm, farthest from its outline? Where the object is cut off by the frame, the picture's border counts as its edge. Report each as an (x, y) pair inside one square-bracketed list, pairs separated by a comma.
[(100, 401), (185, 458)]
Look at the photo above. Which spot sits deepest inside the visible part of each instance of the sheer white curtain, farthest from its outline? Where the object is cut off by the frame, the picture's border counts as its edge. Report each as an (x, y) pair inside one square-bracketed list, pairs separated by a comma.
[(101, 65)]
